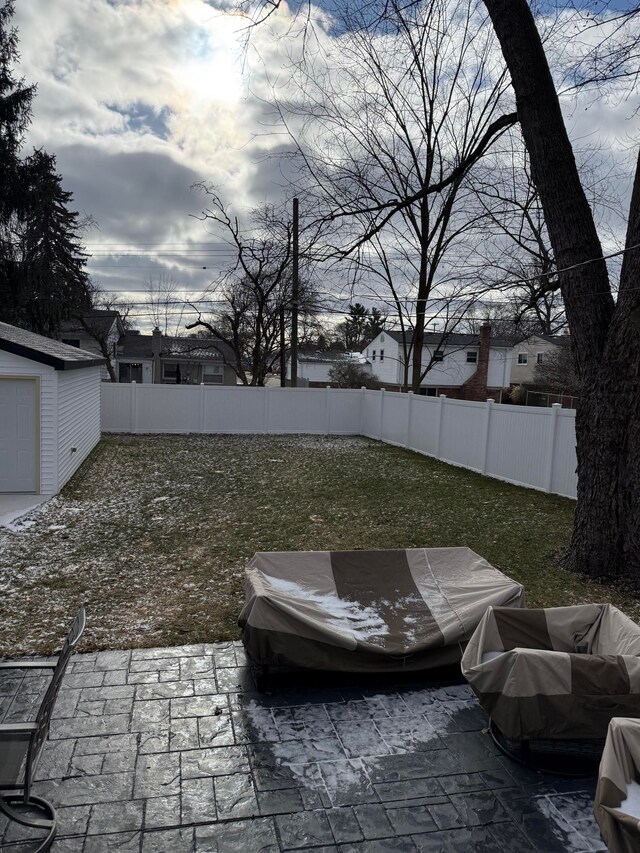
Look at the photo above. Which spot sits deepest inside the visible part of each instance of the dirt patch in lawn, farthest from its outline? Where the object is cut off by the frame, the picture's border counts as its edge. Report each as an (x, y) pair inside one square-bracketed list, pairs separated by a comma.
[(154, 532)]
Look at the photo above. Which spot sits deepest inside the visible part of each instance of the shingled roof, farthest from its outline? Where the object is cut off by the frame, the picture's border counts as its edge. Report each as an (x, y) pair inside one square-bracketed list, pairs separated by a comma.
[(45, 350)]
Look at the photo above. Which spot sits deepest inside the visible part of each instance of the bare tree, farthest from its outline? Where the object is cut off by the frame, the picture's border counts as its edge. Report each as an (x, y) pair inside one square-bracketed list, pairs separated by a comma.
[(558, 370), (604, 330), (388, 126), (255, 290)]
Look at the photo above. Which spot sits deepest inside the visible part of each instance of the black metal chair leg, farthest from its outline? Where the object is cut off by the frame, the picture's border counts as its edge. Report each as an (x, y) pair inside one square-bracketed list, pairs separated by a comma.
[(49, 822)]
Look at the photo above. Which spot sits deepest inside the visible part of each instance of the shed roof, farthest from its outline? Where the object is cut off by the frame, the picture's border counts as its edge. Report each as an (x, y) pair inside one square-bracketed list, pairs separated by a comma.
[(45, 350)]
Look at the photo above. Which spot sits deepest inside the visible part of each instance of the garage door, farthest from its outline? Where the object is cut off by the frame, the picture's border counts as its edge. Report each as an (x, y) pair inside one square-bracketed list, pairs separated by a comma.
[(18, 448)]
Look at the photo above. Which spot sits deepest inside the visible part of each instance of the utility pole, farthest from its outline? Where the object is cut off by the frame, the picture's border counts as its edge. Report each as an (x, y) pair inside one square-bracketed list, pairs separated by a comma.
[(294, 300), (283, 353)]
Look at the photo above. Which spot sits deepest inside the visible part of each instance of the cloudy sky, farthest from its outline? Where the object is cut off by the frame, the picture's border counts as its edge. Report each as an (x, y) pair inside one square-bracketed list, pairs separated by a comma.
[(140, 99)]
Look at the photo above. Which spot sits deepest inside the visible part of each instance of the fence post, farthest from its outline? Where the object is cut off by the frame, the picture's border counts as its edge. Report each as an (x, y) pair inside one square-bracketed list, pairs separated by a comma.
[(202, 406), (487, 430), (442, 399), (363, 392), (551, 444), (265, 409), (381, 414), (327, 412), (134, 411), (407, 441)]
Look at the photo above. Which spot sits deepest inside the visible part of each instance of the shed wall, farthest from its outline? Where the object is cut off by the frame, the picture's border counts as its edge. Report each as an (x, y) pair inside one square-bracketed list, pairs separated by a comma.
[(78, 418)]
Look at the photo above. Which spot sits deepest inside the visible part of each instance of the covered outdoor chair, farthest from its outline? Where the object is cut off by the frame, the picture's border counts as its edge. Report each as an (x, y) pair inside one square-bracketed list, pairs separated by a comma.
[(367, 611), (617, 802), (21, 745), (561, 672)]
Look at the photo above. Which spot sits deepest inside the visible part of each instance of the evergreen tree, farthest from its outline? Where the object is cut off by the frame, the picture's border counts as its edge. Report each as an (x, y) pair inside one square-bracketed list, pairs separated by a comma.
[(43, 280)]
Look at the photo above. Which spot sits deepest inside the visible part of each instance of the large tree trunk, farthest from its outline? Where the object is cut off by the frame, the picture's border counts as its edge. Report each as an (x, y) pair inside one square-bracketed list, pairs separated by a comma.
[(605, 337)]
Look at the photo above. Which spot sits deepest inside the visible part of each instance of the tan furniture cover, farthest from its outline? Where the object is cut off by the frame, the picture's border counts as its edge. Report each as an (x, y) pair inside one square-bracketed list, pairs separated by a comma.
[(563, 672), (619, 769), (368, 610)]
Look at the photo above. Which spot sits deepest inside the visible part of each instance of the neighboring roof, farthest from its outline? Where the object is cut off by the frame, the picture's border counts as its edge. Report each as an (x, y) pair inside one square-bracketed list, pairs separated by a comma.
[(98, 319), (193, 349), (330, 355), (45, 350), (455, 339)]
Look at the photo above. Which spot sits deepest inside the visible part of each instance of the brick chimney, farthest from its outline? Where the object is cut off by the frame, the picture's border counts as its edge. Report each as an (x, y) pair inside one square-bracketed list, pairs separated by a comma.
[(475, 388), (156, 350)]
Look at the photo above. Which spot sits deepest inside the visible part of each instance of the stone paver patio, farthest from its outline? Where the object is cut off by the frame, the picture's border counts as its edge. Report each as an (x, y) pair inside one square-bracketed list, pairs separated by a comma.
[(173, 750)]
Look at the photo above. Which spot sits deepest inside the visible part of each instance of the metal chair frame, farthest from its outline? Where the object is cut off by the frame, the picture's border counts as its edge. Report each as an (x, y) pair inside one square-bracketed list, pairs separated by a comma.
[(36, 733)]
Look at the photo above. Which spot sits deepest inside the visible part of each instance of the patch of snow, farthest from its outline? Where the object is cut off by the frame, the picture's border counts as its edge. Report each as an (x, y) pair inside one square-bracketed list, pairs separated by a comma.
[(364, 623), (631, 805)]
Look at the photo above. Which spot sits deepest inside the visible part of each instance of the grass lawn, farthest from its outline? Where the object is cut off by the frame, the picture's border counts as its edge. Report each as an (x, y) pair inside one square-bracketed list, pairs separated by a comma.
[(153, 532)]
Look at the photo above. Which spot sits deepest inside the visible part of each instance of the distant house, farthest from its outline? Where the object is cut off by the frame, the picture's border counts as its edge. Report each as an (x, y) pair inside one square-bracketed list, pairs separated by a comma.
[(98, 331), (314, 365), (49, 410), (466, 366), (162, 359), (532, 352)]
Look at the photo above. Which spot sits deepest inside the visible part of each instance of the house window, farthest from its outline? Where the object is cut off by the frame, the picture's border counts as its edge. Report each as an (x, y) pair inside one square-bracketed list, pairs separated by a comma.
[(213, 374), (171, 373), (374, 356), (539, 357), (472, 356), (71, 342), (129, 372), (432, 392), (523, 358), (438, 355), (381, 355)]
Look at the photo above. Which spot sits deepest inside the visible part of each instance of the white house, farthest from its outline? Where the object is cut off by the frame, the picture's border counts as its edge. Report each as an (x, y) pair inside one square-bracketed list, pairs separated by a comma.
[(466, 366), (314, 365), (528, 354), (49, 410), (98, 331)]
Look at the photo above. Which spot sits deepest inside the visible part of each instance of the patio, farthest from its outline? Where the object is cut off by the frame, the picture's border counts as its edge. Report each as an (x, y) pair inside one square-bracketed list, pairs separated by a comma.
[(172, 750)]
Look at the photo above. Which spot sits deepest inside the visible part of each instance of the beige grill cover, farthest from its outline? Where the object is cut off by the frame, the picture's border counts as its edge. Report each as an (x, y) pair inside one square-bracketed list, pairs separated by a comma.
[(620, 765), (368, 610), (563, 672)]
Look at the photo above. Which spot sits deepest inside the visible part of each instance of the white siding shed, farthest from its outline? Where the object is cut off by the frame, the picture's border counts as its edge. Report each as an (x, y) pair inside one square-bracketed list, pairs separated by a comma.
[(49, 411)]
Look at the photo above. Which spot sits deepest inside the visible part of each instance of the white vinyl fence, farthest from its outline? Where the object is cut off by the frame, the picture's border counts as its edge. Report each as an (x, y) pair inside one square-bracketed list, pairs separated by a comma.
[(526, 445)]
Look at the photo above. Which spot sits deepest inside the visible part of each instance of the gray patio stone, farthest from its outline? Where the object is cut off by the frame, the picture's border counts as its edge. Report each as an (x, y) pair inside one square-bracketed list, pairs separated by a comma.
[(280, 802), (150, 715), (55, 759), (154, 740), (198, 802), (109, 661), (344, 825), (373, 821), (304, 829), (479, 808), (83, 679), (410, 789), (216, 730), (89, 726), (162, 811), (164, 690), (409, 820), (154, 664), (117, 691), (198, 706), (85, 790), (237, 837), (395, 768), (115, 762), (218, 761), (347, 782), (169, 841), (134, 678), (121, 842), (235, 796), (157, 775), (183, 734), (107, 818), (234, 679), (73, 820), (107, 743), (115, 677), (198, 666), (86, 765)]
